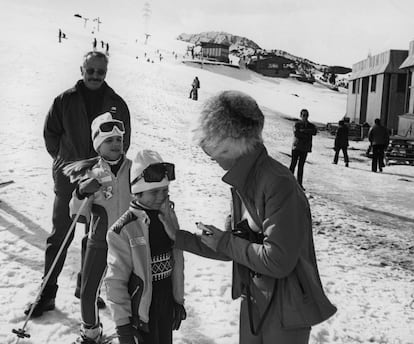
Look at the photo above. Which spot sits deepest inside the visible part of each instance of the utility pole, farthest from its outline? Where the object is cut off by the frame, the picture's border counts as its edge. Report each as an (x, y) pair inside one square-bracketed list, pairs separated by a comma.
[(146, 15), (98, 22), (147, 35)]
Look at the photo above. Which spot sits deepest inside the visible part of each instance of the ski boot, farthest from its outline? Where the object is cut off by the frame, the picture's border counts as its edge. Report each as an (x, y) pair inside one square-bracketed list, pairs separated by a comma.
[(91, 335)]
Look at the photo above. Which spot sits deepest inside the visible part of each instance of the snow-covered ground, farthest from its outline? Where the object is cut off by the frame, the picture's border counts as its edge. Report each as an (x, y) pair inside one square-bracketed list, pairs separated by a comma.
[(363, 222)]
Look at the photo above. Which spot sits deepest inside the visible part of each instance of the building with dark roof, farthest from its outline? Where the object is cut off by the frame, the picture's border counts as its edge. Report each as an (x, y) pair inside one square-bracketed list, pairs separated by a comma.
[(215, 51), (275, 66), (377, 89)]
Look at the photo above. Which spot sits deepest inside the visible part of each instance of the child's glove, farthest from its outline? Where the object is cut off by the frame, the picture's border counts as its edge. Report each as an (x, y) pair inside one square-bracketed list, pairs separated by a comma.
[(88, 187), (127, 334), (179, 314)]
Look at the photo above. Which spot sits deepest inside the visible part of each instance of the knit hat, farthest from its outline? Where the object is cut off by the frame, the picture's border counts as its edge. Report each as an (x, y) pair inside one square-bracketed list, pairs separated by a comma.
[(230, 123), (142, 160), (99, 136)]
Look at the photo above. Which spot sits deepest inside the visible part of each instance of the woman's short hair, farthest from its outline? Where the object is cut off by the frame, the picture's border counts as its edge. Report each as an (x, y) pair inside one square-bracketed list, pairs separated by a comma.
[(230, 122)]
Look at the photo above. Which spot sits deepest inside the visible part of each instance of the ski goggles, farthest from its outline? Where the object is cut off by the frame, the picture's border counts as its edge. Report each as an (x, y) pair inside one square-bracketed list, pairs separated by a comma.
[(99, 71), (156, 172), (110, 127)]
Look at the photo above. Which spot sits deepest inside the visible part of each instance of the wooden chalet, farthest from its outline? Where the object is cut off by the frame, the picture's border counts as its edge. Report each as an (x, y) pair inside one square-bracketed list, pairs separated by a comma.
[(275, 66), (215, 51)]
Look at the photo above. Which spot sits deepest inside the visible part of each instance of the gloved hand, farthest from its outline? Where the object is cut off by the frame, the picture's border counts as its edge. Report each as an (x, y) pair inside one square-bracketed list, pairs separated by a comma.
[(126, 334), (88, 187), (179, 314)]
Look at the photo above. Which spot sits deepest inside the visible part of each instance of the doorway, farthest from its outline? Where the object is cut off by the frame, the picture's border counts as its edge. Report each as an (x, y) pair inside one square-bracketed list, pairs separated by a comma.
[(364, 100)]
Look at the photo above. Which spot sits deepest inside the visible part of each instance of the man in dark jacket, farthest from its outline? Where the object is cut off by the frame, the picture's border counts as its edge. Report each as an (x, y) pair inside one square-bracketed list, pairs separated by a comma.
[(302, 143), (341, 142), (68, 138), (379, 139)]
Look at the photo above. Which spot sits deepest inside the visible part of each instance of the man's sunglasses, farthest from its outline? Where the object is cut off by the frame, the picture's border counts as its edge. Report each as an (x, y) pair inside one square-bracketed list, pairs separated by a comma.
[(156, 172), (108, 127), (100, 71)]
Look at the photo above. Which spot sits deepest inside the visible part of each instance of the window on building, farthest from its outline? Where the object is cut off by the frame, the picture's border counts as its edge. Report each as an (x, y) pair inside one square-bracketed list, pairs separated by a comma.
[(357, 86), (353, 86), (373, 83), (401, 82)]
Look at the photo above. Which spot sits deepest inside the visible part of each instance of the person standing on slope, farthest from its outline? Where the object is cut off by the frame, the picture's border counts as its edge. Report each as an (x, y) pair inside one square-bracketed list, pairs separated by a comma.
[(303, 131), (104, 180), (194, 89), (145, 277), (379, 138), (67, 136), (268, 234), (341, 143)]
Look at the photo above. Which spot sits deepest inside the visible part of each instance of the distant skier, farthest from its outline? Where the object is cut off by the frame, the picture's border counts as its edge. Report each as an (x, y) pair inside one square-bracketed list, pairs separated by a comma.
[(60, 36), (95, 42), (107, 48), (194, 89), (332, 79)]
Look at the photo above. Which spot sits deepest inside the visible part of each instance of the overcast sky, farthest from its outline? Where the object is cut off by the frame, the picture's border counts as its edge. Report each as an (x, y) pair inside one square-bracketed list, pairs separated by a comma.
[(331, 32)]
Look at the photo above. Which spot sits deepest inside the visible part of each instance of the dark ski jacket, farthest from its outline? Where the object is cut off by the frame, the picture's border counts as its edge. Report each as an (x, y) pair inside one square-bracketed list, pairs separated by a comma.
[(67, 131), (303, 132), (196, 83), (378, 135), (341, 137)]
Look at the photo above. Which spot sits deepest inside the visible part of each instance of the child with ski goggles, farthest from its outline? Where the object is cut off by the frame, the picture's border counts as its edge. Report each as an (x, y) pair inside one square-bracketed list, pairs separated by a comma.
[(105, 181), (145, 276)]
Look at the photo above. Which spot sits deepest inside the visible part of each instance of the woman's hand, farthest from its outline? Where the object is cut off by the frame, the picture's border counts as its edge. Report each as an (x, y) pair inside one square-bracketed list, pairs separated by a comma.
[(168, 218), (210, 235)]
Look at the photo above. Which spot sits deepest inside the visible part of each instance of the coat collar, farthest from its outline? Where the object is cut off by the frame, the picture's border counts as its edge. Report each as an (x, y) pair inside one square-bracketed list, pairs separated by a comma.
[(75, 89), (237, 176)]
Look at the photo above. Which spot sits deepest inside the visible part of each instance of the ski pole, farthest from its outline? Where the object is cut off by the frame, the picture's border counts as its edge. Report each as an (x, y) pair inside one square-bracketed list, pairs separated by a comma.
[(21, 332)]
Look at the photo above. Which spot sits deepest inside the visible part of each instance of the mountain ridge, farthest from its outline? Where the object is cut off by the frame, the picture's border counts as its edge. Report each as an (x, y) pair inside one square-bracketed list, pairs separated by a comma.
[(242, 46)]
